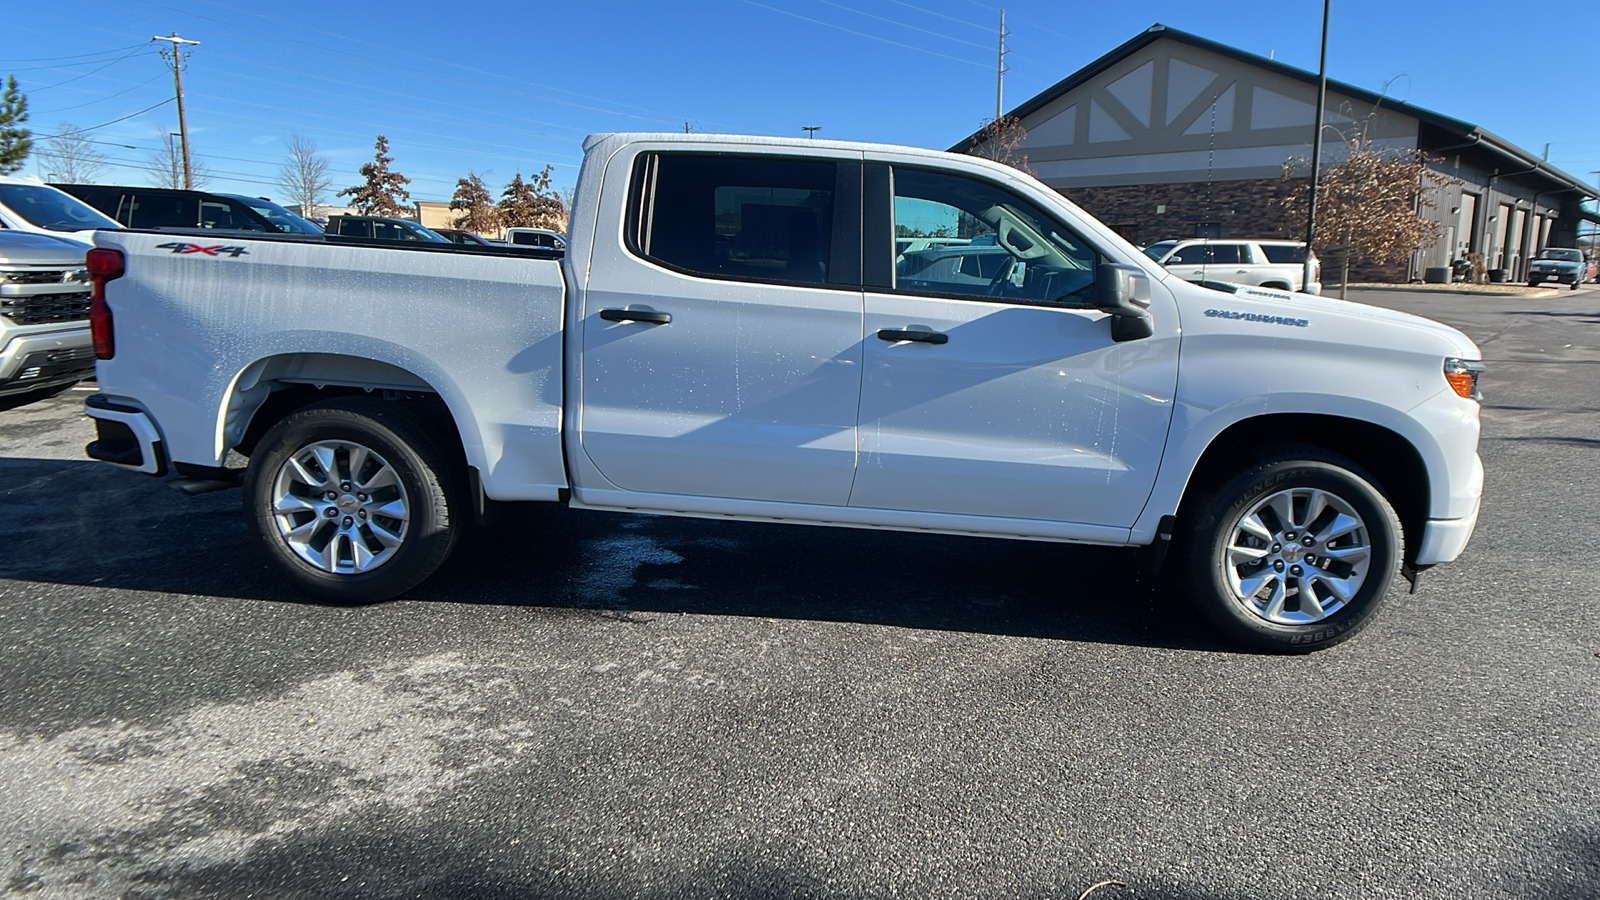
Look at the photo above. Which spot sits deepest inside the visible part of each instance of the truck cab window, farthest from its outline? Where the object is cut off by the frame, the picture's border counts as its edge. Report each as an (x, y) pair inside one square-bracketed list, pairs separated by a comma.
[(967, 238), (767, 219)]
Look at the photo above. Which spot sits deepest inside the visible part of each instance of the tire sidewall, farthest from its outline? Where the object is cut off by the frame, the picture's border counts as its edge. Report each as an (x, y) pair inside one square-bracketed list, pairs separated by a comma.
[(1213, 530), (429, 534)]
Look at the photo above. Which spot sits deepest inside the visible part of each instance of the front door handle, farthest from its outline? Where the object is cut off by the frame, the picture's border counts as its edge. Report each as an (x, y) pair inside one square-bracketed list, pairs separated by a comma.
[(922, 337), (636, 315)]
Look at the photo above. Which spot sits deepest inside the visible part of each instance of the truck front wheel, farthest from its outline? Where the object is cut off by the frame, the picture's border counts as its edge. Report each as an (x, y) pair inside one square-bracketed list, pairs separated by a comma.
[(1293, 554), (354, 499)]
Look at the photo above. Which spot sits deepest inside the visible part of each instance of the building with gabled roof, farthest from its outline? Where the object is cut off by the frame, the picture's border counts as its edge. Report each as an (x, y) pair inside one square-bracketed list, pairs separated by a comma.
[(1171, 135)]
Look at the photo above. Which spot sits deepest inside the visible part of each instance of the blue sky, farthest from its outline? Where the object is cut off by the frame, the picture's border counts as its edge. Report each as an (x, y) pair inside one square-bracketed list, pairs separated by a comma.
[(500, 87)]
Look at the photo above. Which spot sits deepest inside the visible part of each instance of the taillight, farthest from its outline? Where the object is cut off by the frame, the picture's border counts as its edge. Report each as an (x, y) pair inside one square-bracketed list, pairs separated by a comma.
[(104, 265)]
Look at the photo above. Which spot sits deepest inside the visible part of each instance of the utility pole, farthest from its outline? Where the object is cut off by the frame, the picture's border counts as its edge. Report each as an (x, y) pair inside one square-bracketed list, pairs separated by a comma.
[(1316, 150), (811, 130), (1000, 69), (175, 56)]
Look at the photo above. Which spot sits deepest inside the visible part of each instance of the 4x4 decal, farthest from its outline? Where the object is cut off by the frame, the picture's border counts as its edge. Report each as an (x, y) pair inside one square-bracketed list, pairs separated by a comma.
[(212, 250)]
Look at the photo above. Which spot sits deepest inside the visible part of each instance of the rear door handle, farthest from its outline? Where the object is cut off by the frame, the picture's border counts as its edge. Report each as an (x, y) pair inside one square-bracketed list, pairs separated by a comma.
[(922, 337), (636, 315)]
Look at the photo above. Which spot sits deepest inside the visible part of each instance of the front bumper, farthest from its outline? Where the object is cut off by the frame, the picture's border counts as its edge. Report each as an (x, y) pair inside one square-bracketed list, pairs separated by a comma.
[(1444, 539), (1563, 277), (127, 436), (44, 359)]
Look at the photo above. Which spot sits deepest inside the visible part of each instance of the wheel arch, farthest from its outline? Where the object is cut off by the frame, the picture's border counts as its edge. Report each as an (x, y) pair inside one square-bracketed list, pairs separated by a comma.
[(1393, 462), (271, 388)]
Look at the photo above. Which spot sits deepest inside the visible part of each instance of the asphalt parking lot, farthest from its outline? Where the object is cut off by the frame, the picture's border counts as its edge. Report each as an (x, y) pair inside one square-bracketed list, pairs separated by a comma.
[(587, 705)]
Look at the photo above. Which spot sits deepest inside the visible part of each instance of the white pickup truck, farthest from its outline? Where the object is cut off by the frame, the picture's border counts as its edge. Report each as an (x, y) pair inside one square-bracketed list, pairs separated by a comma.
[(728, 336)]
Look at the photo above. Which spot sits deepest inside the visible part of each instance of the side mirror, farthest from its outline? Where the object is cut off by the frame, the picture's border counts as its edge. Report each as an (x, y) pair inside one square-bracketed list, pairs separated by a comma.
[(1117, 290)]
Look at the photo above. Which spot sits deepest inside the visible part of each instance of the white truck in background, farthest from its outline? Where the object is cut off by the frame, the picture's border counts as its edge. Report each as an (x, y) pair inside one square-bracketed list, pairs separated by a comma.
[(731, 333), (1276, 264), (44, 316)]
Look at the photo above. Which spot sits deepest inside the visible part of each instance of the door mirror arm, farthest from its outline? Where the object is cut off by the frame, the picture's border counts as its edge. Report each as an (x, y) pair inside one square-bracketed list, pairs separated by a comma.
[(1118, 290)]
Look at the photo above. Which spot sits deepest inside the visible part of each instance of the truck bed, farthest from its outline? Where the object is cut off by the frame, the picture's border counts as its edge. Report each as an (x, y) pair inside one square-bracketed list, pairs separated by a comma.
[(197, 340)]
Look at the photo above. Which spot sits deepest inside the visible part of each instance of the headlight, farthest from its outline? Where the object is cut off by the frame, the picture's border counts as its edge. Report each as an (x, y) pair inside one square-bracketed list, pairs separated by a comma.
[(1463, 376)]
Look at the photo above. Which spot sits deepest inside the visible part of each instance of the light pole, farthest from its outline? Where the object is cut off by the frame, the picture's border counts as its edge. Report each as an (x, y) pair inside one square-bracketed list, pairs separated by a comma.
[(175, 55), (811, 130), (1316, 149)]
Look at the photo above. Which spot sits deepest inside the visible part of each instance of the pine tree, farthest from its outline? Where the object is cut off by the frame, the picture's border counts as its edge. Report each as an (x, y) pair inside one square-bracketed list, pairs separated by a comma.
[(15, 141), (532, 203), (476, 205), (384, 192)]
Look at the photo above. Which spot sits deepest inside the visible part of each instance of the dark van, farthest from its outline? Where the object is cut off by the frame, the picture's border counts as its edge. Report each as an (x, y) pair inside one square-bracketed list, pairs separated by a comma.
[(147, 207)]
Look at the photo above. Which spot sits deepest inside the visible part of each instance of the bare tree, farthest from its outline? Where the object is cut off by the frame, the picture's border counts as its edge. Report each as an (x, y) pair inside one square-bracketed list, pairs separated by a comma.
[(166, 164), (304, 174), (383, 193), (1001, 140), (476, 205), (70, 157), (1370, 207)]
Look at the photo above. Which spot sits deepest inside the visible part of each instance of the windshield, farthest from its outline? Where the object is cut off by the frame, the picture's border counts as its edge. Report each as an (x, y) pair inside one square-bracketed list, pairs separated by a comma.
[(1563, 255), (51, 209), (1158, 250), (281, 218), (427, 234)]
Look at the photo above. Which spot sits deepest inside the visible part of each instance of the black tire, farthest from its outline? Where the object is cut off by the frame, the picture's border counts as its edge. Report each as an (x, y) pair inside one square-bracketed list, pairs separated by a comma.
[(431, 496), (1212, 521), (1576, 282)]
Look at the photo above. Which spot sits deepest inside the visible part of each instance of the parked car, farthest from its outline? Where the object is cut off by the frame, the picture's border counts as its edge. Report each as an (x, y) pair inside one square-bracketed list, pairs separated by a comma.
[(150, 207), (383, 228), (724, 339), (1263, 263), (28, 204), (45, 345), (281, 218), (1558, 264), (457, 236), (536, 237)]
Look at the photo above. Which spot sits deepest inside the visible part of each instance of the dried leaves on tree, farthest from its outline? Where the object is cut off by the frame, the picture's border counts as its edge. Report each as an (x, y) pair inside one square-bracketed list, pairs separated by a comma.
[(532, 203), (383, 193), (1001, 140), (475, 205), (15, 141), (1372, 206)]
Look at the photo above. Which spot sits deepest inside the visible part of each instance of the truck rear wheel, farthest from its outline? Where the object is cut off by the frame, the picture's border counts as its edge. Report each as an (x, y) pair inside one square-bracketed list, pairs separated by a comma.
[(1293, 554), (354, 499)]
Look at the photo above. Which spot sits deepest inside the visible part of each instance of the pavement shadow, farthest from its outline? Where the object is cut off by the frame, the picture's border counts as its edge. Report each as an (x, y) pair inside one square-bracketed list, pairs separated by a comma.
[(84, 523)]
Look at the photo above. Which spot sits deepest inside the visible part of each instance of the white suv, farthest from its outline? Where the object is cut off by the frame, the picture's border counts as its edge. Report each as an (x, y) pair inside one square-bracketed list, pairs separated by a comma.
[(1262, 263)]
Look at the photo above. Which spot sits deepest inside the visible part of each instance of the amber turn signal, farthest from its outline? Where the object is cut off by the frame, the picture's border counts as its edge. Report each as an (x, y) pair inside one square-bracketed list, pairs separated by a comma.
[(1462, 374)]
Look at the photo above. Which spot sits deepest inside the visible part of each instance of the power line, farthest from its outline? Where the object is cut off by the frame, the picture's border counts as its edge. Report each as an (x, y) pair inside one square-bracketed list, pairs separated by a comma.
[(84, 75), (870, 37), (904, 24), (926, 11), (673, 119), (93, 102), (79, 56)]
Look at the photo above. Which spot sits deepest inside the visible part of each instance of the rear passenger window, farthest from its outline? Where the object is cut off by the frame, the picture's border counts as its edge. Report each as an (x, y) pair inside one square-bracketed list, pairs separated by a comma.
[(1283, 253), (163, 211), (1227, 253), (743, 218)]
